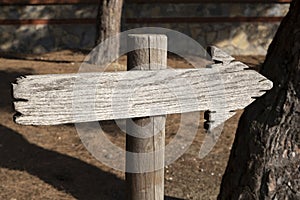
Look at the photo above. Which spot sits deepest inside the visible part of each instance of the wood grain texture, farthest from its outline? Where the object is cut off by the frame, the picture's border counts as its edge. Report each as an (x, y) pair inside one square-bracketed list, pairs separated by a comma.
[(218, 55), (146, 135), (74, 98)]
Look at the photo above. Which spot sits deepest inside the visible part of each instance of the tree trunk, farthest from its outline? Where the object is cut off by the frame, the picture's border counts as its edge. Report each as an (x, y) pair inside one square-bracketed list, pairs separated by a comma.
[(264, 161), (108, 19), (108, 25)]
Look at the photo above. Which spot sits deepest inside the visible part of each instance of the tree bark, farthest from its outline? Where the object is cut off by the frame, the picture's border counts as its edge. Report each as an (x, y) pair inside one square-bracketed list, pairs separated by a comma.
[(108, 19), (264, 161), (108, 25)]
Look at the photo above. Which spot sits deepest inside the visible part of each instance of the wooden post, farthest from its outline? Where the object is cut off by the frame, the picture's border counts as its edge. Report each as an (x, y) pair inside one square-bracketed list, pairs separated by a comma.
[(150, 54)]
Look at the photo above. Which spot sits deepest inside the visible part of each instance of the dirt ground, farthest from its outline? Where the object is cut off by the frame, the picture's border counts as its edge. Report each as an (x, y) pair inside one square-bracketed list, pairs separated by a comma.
[(50, 162)]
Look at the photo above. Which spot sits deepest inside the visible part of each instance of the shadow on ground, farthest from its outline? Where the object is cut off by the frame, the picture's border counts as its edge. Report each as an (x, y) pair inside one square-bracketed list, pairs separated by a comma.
[(81, 180)]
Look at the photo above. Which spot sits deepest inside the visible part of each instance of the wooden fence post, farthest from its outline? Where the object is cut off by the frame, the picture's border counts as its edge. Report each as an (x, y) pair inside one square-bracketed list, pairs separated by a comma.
[(150, 54)]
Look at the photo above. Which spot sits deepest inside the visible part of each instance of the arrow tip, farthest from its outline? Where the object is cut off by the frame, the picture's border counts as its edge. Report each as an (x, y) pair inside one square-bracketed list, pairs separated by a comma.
[(218, 55)]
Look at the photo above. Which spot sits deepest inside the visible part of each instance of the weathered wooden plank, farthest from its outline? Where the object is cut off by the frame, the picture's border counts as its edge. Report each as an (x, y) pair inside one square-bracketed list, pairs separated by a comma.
[(218, 55), (145, 174), (70, 98)]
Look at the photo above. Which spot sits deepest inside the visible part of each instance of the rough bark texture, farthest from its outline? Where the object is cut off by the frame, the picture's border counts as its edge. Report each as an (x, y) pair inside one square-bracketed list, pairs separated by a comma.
[(108, 25), (264, 161), (108, 19)]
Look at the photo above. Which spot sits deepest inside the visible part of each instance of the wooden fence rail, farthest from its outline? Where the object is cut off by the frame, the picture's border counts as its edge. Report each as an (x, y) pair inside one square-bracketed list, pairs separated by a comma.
[(46, 21), (46, 2), (160, 20), (142, 20), (59, 2), (201, 20)]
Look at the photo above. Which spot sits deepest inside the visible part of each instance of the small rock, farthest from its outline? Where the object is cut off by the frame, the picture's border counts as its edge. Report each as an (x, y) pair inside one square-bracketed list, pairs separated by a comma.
[(108, 156), (293, 154), (285, 153), (279, 181)]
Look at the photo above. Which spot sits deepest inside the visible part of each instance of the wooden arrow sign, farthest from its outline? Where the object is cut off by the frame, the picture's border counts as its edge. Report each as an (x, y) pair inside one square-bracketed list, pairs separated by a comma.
[(221, 88)]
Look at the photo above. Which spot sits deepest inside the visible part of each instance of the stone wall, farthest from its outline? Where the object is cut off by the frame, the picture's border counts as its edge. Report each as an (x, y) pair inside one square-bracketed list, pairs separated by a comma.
[(235, 38), (45, 38)]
